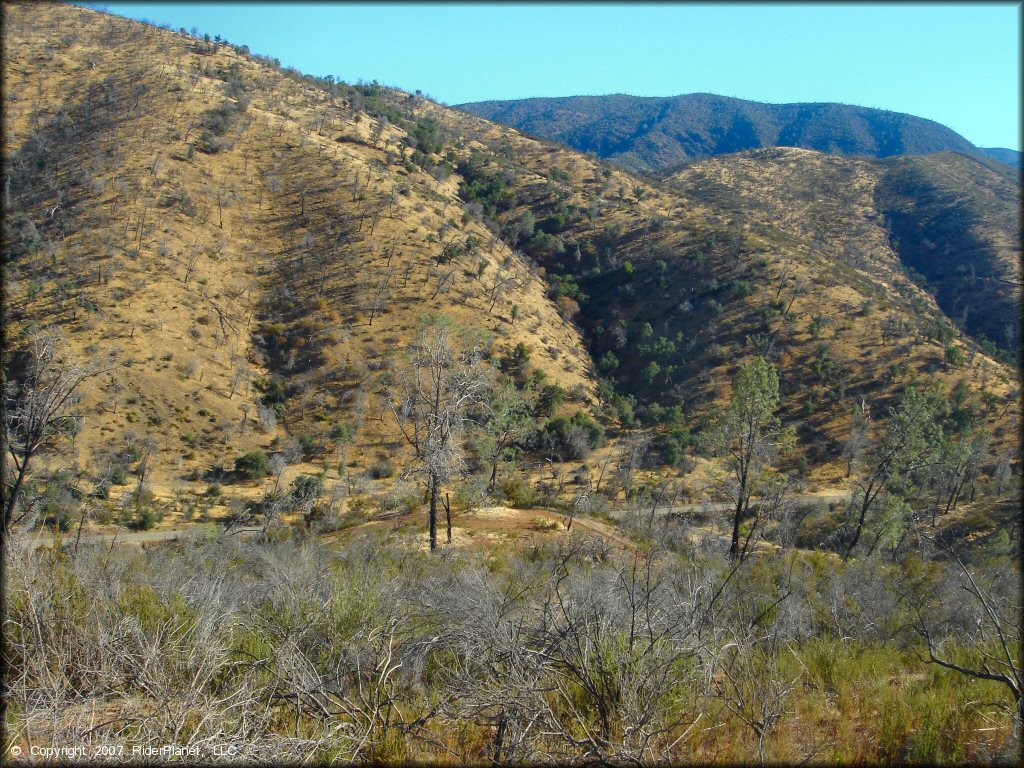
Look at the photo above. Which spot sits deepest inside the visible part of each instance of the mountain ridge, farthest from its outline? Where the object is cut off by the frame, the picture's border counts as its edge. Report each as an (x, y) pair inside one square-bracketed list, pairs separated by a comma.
[(649, 133)]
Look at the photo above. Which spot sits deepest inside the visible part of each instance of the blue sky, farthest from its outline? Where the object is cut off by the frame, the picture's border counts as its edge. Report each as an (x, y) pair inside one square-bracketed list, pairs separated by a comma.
[(956, 64)]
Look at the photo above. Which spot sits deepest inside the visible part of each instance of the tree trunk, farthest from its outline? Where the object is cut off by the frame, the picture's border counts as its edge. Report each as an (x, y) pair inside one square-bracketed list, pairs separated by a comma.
[(865, 505), (435, 484), (735, 545), (13, 496), (499, 739), (448, 517)]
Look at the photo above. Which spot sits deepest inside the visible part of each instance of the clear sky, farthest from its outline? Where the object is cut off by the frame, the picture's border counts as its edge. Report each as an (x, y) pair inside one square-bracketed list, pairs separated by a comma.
[(957, 64)]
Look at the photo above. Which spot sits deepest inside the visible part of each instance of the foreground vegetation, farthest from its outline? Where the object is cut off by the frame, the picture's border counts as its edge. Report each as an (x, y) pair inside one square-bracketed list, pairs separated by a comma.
[(569, 651)]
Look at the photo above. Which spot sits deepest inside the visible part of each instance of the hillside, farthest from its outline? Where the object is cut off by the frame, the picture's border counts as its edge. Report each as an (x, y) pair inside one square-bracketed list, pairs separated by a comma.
[(650, 134), (951, 219), (258, 248), (1010, 157), (221, 225), (692, 284)]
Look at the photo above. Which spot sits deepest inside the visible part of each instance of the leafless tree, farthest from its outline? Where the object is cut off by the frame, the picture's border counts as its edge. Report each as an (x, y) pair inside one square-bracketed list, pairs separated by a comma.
[(500, 283), (267, 417), (382, 285), (854, 445), (993, 630), (190, 262), (40, 392), (751, 685), (631, 456), (430, 398)]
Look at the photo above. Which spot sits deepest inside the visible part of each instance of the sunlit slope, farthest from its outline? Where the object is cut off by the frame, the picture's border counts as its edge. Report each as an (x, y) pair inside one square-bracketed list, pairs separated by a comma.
[(947, 220), (220, 225), (225, 224)]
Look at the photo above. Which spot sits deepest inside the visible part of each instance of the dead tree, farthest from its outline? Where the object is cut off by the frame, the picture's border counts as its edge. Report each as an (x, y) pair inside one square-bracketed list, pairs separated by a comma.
[(430, 399), (37, 402), (995, 636)]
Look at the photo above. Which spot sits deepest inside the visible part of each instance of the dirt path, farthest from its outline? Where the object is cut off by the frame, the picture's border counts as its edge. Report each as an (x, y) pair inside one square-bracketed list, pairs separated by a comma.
[(599, 527)]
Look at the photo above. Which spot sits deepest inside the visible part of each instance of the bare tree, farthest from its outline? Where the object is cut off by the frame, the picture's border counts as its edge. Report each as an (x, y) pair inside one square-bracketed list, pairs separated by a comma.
[(853, 446), (994, 632), (382, 285), (431, 398), (631, 456), (751, 685), (41, 389), (500, 283)]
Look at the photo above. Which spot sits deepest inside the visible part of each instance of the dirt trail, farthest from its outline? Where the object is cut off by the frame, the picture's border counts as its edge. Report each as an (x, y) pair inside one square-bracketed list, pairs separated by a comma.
[(509, 519)]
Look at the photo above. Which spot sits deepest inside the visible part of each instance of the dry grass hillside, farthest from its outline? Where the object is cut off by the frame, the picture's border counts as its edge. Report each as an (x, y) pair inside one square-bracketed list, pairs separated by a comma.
[(258, 247), (218, 224), (250, 255), (949, 221)]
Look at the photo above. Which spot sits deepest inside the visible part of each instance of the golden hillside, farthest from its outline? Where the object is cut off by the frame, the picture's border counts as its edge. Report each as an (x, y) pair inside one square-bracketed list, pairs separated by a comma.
[(215, 222), (237, 232), (754, 262), (951, 219)]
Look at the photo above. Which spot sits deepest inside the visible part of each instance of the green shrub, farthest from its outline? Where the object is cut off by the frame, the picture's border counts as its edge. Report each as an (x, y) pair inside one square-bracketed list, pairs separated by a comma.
[(551, 396), (575, 437), (146, 519), (253, 466), (307, 443), (954, 356), (340, 434), (306, 487), (273, 393), (382, 469), (517, 492), (672, 445)]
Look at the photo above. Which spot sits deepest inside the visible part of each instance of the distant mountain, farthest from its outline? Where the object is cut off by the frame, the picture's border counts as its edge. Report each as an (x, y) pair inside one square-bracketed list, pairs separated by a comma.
[(1010, 157), (655, 133)]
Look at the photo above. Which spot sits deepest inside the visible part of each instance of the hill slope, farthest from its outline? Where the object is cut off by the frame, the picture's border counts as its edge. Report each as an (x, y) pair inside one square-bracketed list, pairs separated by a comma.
[(951, 219), (653, 133), (259, 246), (676, 286), (1010, 157), (222, 225)]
